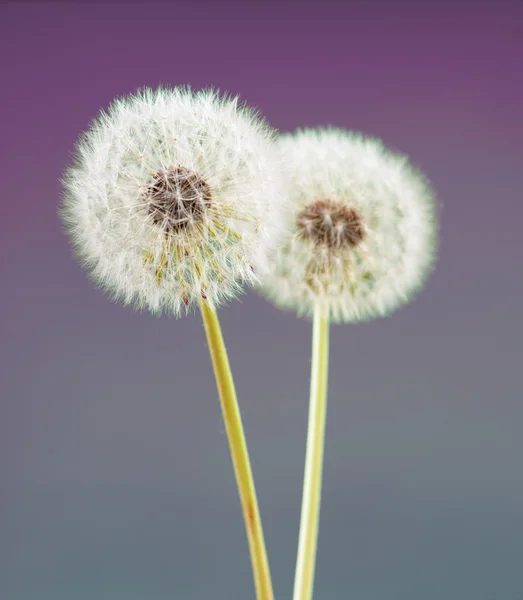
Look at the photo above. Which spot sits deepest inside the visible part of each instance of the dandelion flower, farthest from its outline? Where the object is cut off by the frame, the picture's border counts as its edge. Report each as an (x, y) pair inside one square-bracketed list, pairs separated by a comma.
[(360, 243), (363, 236), (174, 195), (175, 199)]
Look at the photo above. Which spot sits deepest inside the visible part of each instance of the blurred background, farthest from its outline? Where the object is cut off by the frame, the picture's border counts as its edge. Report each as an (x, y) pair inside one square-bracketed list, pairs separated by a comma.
[(115, 476)]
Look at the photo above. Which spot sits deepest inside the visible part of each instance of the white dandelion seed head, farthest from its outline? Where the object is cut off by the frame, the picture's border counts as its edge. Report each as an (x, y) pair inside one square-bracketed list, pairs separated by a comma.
[(175, 196), (362, 238)]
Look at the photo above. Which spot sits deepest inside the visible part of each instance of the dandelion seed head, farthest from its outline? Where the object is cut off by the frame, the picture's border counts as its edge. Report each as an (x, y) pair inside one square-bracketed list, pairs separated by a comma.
[(175, 196), (363, 238)]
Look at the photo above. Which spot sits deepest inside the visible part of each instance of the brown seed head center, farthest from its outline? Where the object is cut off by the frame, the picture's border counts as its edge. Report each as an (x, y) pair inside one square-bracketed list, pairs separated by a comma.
[(331, 224), (177, 199)]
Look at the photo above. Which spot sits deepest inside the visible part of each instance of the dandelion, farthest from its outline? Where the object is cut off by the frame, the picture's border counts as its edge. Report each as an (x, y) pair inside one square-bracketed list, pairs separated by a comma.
[(175, 201), (363, 237), (174, 196), (361, 243)]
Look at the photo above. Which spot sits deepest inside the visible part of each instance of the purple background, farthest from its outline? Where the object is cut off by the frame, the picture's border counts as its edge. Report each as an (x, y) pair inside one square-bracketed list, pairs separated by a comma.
[(116, 481)]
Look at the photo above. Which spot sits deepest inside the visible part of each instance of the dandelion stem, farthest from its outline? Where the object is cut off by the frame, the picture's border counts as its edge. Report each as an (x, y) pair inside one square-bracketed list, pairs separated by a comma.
[(310, 508), (239, 454)]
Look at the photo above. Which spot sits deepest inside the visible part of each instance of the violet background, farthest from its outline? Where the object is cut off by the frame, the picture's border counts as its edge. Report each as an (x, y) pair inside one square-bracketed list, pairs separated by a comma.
[(115, 477)]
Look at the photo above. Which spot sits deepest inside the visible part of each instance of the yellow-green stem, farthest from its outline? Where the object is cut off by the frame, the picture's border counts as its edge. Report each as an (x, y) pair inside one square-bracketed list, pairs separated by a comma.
[(310, 508), (239, 454)]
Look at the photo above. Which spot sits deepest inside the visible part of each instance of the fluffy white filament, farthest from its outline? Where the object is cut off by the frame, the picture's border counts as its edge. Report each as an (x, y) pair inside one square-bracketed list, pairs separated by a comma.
[(362, 238), (174, 196)]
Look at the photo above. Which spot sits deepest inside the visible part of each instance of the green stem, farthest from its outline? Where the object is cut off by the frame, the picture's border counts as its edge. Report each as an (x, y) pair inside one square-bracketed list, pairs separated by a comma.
[(310, 508), (239, 454)]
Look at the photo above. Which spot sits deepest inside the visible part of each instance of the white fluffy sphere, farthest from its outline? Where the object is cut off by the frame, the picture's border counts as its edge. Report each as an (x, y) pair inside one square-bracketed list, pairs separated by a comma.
[(362, 238), (174, 196)]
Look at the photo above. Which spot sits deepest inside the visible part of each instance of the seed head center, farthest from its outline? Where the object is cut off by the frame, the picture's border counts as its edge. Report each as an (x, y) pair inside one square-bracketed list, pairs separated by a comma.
[(177, 199), (330, 224)]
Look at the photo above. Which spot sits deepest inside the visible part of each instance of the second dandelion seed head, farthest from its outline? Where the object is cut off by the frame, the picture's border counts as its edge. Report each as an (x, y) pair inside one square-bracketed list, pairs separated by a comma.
[(363, 237)]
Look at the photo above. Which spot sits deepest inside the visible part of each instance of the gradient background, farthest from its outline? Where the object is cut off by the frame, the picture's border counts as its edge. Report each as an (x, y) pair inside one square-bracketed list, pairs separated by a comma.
[(116, 482)]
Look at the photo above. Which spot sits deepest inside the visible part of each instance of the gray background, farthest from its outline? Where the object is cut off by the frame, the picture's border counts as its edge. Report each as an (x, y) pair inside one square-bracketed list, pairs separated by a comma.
[(116, 481)]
